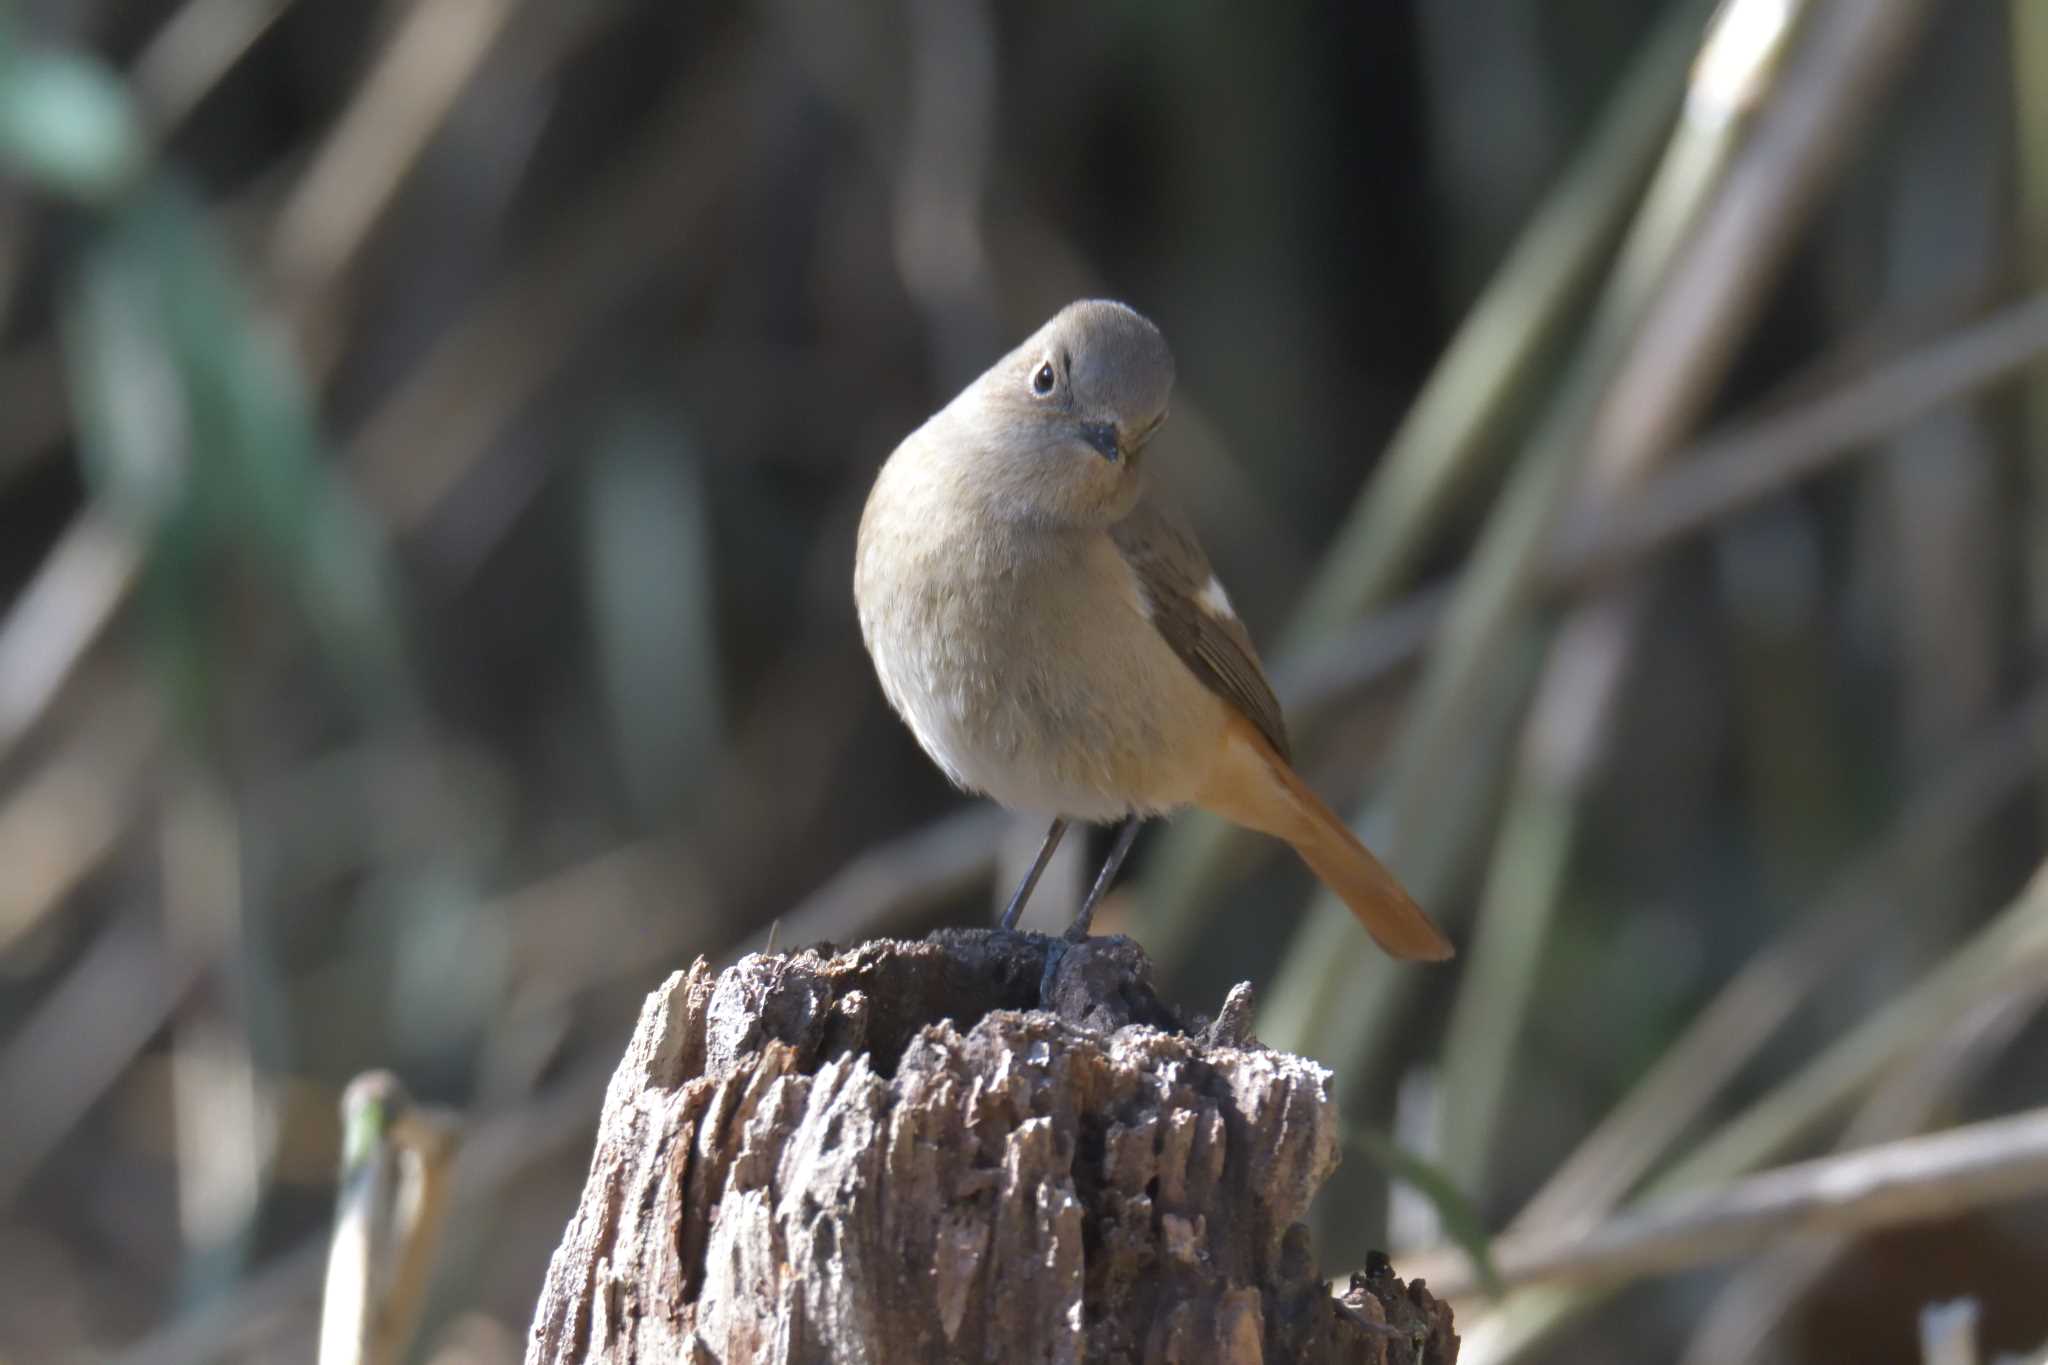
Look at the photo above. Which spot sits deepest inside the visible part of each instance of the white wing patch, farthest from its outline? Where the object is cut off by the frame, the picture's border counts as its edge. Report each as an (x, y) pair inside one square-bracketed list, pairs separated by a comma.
[(1215, 601), (1146, 608)]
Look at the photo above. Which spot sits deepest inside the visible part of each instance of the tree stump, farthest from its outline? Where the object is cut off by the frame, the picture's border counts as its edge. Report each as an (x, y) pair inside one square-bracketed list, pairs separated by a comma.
[(985, 1146)]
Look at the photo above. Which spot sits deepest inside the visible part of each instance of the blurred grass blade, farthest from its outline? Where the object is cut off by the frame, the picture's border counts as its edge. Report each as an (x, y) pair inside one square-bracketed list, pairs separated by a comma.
[(1410, 820), (1724, 1036), (1443, 444), (1457, 418), (2028, 42), (1461, 1221), (648, 567), (1712, 234), (1562, 747), (2008, 952)]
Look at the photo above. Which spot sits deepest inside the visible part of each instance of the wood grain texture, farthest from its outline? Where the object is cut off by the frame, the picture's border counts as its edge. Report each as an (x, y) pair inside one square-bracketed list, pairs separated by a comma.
[(979, 1147)]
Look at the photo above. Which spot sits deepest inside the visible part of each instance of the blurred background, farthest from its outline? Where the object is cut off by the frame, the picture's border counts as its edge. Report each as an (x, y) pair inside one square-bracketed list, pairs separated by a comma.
[(432, 434)]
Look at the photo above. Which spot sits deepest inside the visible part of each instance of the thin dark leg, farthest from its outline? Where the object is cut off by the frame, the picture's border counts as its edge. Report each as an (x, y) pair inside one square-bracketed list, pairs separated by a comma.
[(1078, 930), (1024, 888)]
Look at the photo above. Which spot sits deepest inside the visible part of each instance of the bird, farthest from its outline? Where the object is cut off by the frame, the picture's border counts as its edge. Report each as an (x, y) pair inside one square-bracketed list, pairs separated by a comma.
[(1052, 633)]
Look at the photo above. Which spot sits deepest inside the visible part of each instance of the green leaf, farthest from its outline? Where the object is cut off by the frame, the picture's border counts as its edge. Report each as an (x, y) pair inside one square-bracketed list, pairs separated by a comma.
[(67, 126), (199, 435)]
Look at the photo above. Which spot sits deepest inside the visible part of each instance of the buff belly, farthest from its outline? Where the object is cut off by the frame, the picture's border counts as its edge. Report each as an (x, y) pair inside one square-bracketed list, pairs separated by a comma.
[(1029, 687)]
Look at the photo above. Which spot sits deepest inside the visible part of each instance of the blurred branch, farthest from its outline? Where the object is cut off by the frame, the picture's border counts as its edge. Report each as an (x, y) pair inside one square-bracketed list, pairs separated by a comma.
[(1527, 880), (1912, 1180), (1816, 101), (1692, 277), (62, 819), (1732, 470), (1342, 663), (1956, 804), (79, 1040), (1411, 819), (1753, 1302), (193, 49), (184, 60), (58, 616), (605, 919), (1497, 352), (888, 886), (225, 1131), (2011, 950), (1719, 476), (2027, 41), (393, 1196), (1941, 220), (1563, 746), (943, 169), (426, 64), (432, 58), (96, 565), (2004, 955), (444, 416), (1498, 348)]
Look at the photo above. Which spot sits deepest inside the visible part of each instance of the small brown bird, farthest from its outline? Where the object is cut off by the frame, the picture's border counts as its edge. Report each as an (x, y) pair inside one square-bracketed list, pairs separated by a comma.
[(1054, 636)]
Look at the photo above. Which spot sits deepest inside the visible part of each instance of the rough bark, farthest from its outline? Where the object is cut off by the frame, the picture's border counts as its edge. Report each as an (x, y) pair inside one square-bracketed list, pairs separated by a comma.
[(980, 1147)]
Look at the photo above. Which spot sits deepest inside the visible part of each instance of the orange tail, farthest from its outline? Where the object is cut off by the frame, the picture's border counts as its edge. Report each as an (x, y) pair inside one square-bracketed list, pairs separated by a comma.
[(1253, 786)]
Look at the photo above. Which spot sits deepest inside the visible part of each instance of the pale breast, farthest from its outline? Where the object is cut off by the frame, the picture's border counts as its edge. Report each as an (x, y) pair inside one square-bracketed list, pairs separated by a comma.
[(1027, 668)]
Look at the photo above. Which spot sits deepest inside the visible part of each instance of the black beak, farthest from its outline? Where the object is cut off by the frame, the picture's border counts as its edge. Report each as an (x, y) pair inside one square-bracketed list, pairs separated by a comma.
[(1102, 436), (1110, 443)]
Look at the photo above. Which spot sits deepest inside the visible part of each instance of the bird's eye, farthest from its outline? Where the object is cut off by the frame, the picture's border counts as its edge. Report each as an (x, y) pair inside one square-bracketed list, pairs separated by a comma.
[(1042, 382)]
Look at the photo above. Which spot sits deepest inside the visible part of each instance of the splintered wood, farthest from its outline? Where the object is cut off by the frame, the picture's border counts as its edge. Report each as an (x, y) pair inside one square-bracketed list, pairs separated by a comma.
[(980, 1147)]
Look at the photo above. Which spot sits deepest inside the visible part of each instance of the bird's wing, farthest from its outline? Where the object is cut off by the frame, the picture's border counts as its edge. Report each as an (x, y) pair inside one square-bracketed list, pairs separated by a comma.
[(1189, 608)]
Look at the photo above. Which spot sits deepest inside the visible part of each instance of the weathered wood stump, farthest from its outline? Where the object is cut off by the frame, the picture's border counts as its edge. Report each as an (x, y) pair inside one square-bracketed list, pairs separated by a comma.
[(981, 1147)]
